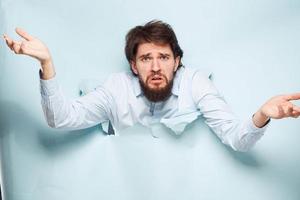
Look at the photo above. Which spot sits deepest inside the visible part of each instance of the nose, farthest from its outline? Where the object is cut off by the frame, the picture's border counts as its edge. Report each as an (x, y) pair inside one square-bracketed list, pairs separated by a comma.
[(155, 65)]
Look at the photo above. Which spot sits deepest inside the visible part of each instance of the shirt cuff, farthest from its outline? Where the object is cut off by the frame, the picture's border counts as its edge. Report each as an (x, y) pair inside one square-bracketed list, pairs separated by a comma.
[(253, 128), (48, 87)]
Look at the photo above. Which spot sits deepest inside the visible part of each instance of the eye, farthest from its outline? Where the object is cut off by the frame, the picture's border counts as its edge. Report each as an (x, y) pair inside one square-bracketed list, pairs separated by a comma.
[(163, 57), (145, 59)]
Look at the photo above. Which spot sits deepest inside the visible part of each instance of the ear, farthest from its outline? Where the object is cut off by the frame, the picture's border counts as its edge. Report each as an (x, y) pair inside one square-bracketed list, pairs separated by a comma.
[(177, 61), (133, 67)]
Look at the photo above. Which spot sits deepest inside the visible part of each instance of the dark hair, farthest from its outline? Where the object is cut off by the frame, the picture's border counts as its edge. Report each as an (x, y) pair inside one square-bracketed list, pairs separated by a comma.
[(154, 31)]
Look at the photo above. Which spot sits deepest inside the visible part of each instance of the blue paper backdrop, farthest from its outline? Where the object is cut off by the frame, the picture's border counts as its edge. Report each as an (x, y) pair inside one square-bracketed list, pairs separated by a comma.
[(253, 50)]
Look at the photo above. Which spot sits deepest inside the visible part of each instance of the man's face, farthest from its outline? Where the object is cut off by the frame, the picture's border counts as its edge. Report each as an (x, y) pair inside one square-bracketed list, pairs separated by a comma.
[(155, 66)]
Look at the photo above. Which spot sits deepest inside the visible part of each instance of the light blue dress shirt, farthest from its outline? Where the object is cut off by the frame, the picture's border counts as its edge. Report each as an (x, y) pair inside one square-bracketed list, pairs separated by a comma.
[(121, 101)]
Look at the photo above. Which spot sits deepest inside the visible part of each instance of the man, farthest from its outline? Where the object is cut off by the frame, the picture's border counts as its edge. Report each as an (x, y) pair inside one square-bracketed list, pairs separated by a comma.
[(158, 90)]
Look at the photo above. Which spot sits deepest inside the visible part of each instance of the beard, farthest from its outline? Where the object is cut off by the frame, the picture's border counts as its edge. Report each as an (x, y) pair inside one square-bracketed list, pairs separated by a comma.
[(156, 94)]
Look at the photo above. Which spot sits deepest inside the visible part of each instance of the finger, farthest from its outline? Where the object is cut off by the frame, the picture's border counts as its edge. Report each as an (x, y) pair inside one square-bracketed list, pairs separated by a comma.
[(24, 34), (296, 108), (16, 48), (285, 110), (5, 37), (295, 114), (25, 50), (11, 42), (280, 112), (289, 111), (295, 96), (8, 41)]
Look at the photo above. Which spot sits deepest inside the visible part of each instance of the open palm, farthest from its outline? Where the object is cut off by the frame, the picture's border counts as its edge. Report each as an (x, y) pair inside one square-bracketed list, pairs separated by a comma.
[(281, 106), (30, 46)]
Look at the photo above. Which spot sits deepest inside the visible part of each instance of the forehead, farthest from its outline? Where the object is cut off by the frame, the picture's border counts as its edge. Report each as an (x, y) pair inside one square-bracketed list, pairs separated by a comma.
[(152, 48)]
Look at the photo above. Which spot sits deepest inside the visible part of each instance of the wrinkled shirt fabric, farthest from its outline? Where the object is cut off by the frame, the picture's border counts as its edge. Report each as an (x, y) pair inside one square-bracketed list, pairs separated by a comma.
[(120, 100)]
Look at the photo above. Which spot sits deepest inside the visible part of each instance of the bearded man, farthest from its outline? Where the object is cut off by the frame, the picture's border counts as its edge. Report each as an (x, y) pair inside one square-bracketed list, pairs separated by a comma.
[(159, 89)]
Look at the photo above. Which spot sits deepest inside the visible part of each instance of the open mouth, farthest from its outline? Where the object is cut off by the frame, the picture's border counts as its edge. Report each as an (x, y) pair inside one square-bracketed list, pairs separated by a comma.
[(156, 79)]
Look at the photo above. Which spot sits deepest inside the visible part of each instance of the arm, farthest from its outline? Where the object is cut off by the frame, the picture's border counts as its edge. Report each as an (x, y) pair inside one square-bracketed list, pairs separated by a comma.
[(59, 111), (239, 135), (82, 112)]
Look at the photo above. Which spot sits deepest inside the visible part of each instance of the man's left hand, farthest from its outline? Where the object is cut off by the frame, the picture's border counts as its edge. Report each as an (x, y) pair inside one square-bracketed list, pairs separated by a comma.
[(277, 107)]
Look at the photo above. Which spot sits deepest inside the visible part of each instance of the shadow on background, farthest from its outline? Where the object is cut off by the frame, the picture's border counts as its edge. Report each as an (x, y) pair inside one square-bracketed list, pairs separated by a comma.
[(23, 141)]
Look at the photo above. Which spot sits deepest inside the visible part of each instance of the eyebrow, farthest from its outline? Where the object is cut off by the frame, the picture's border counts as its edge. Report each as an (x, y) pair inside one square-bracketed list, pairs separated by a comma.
[(148, 54), (144, 55), (165, 54)]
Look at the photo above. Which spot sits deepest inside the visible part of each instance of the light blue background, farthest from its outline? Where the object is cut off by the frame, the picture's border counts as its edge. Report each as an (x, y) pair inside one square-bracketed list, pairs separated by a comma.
[(253, 50)]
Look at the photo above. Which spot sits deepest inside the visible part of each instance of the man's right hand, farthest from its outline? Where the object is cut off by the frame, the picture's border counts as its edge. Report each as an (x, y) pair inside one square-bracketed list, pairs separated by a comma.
[(35, 48)]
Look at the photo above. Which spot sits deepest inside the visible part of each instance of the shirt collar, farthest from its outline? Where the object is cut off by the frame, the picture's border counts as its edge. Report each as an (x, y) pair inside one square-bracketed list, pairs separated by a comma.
[(176, 83)]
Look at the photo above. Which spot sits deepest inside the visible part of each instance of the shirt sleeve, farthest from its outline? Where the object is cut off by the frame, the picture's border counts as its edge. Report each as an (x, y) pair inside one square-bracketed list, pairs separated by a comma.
[(79, 113), (239, 135)]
